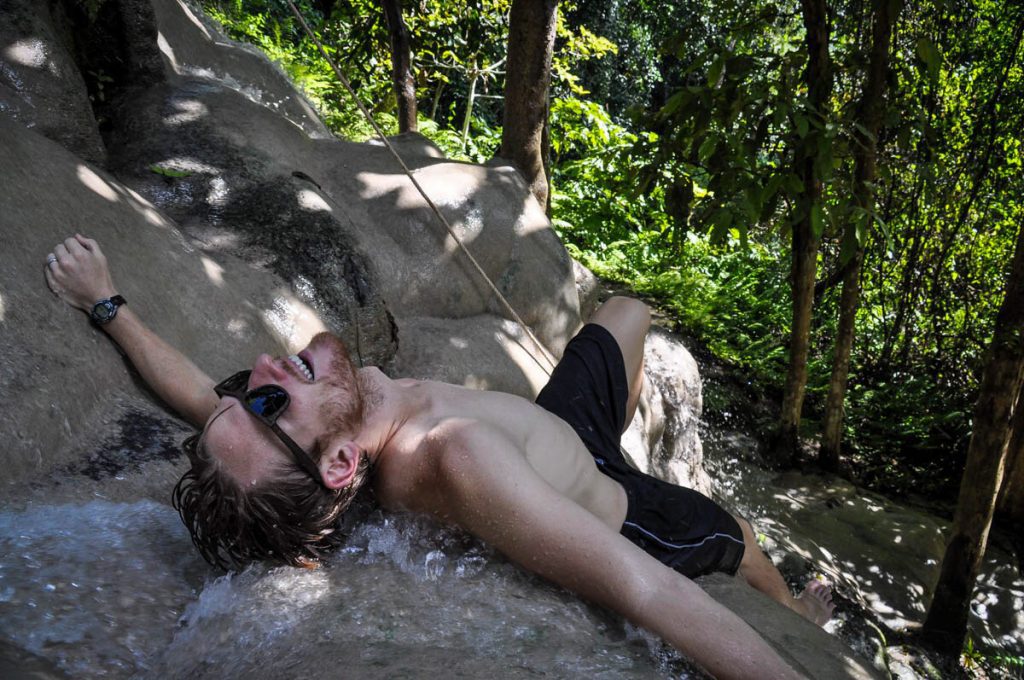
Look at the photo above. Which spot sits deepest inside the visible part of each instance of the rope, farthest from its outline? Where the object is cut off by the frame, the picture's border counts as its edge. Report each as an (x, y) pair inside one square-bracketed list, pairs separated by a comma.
[(451, 232), (380, 133)]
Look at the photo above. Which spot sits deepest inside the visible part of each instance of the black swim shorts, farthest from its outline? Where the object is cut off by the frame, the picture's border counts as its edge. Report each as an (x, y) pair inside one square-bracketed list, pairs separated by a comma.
[(679, 527)]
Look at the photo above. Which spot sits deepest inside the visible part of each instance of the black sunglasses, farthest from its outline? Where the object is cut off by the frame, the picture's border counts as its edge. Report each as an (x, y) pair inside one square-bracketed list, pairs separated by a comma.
[(267, 403)]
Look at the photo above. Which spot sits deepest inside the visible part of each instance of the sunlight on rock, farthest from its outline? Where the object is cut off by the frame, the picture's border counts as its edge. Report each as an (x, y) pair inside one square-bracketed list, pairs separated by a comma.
[(524, 355), (30, 52), (167, 50), (2, 307), (195, 20), (218, 194), (878, 605), (189, 110), (238, 327), (292, 320), (213, 271), (458, 343), (137, 196), (96, 183), (476, 383), (473, 223), (312, 201), (404, 195), (145, 208), (190, 165), (154, 217)]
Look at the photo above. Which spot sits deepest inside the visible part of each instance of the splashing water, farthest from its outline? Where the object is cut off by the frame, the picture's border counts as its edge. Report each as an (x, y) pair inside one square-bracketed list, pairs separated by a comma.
[(117, 590)]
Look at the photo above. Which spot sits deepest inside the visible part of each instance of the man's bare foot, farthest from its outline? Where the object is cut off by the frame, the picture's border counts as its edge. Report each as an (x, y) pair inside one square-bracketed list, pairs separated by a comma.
[(815, 603)]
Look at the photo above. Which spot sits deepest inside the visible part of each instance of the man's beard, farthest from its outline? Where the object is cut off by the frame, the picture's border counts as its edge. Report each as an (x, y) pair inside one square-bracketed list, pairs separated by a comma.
[(342, 408)]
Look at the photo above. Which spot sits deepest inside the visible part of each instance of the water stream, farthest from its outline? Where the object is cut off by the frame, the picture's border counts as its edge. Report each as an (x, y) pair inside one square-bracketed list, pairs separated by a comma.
[(115, 589)]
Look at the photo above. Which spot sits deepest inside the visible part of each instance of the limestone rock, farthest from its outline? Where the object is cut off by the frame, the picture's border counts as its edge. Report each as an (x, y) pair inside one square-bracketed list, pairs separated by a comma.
[(40, 85), (191, 47), (65, 382), (235, 224), (463, 351), (663, 439), (588, 287), (788, 632)]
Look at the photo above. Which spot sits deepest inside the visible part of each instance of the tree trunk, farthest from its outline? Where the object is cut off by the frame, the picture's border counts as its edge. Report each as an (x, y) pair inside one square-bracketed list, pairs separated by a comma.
[(1011, 498), (806, 234), (401, 65), (474, 75), (872, 106), (531, 41), (946, 624)]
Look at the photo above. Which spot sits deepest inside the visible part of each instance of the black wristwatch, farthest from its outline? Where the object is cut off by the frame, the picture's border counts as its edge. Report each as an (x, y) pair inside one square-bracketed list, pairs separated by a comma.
[(105, 310)]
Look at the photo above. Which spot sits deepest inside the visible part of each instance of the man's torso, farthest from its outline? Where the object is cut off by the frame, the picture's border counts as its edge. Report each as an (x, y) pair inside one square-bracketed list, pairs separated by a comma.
[(413, 466)]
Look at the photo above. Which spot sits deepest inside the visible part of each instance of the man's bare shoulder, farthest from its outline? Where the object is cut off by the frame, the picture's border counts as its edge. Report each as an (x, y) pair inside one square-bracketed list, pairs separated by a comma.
[(456, 442), (435, 454)]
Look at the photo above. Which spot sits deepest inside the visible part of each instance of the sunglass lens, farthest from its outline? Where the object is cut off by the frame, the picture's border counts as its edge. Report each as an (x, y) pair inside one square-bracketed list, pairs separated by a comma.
[(236, 383), (267, 401)]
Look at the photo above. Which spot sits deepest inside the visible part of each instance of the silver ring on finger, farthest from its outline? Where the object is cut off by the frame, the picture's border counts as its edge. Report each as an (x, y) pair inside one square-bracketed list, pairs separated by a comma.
[(51, 259)]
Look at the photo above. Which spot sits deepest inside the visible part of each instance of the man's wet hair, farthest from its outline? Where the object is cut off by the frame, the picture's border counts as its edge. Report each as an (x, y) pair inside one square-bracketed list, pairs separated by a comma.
[(289, 518)]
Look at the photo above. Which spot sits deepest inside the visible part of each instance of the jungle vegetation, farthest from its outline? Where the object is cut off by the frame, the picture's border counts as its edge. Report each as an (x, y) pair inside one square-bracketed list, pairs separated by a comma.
[(828, 195)]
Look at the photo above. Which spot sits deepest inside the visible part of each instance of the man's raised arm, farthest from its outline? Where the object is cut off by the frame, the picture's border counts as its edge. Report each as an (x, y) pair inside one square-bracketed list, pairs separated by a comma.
[(77, 272), (492, 491)]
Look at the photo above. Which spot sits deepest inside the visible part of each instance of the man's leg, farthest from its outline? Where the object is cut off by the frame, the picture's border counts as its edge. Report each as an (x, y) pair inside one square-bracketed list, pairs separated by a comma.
[(814, 603), (628, 321)]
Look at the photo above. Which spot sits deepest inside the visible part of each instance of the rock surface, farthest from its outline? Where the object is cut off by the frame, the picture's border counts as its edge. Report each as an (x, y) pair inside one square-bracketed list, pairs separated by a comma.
[(235, 224), (40, 84)]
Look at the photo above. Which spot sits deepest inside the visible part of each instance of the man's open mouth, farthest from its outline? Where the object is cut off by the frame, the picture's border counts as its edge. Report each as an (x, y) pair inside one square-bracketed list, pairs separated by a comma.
[(304, 368)]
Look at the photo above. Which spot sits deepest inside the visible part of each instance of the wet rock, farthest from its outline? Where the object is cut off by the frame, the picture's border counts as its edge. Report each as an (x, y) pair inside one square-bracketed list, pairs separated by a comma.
[(137, 437), (192, 47), (588, 287), (40, 84), (64, 382), (461, 351), (788, 632), (18, 663), (235, 224), (663, 439)]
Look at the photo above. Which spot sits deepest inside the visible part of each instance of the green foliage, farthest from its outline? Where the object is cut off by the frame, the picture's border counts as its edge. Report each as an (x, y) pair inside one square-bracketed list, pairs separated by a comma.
[(675, 133), (458, 47), (979, 663), (668, 199), (269, 25), (733, 296), (170, 173)]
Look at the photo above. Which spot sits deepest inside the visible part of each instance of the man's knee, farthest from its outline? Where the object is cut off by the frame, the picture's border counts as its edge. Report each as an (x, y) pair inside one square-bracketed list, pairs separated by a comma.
[(748, 531), (623, 309), (628, 319)]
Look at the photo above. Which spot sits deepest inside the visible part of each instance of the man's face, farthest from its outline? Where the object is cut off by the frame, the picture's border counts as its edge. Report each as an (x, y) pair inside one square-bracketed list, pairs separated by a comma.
[(320, 410)]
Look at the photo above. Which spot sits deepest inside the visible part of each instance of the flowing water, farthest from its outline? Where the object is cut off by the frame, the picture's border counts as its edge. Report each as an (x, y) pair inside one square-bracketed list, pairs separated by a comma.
[(116, 590), (105, 589)]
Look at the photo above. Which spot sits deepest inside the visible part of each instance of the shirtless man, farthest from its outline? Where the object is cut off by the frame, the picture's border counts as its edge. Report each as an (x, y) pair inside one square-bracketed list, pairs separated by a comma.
[(285, 446)]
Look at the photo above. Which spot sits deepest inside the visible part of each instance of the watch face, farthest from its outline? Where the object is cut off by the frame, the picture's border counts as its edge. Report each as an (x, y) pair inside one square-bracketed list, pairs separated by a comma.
[(103, 310)]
